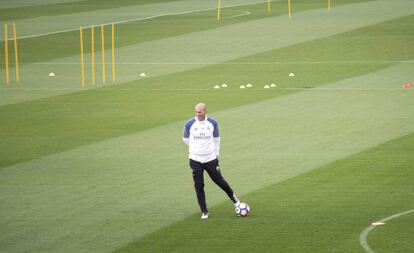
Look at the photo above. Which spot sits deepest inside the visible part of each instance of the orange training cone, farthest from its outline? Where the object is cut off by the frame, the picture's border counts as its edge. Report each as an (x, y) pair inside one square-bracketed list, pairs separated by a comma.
[(407, 85)]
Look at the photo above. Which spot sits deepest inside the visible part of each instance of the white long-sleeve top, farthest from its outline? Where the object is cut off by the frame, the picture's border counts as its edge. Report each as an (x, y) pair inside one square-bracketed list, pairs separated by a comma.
[(202, 138)]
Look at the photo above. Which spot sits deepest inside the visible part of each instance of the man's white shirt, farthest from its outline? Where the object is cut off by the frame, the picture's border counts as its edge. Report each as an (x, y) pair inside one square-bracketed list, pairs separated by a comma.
[(202, 138)]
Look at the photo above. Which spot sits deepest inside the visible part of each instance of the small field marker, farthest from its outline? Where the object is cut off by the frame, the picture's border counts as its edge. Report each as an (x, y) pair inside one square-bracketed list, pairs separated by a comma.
[(218, 9), (113, 52), (82, 59), (103, 54), (6, 53), (289, 9), (93, 54), (407, 85), (16, 53), (268, 5)]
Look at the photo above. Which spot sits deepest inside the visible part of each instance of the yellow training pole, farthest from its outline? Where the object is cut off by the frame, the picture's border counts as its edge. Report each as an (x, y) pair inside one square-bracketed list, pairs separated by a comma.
[(290, 10), (218, 10), (93, 55), (6, 52), (268, 6), (16, 55), (103, 54), (329, 5), (82, 63), (113, 52)]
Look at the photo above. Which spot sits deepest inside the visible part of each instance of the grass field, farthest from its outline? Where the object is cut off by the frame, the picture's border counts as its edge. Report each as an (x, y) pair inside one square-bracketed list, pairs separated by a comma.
[(103, 168)]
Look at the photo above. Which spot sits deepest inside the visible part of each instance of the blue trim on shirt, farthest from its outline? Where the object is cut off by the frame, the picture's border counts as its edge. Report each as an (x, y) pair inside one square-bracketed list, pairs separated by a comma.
[(187, 126), (215, 125)]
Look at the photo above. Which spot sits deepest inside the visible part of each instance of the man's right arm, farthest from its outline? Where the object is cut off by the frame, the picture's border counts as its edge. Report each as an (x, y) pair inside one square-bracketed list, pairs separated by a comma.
[(186, 134)]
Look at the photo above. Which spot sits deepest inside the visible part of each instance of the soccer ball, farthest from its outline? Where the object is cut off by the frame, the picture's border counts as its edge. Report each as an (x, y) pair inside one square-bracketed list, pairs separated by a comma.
[(242, 209)]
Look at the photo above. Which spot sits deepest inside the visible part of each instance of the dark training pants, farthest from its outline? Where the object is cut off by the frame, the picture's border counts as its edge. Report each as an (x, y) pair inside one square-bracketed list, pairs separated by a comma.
[(213, 170)]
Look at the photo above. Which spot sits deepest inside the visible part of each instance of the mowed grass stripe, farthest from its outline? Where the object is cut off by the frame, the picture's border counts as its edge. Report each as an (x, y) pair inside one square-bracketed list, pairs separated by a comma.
[(217, 45), (25, 3), (66, 7), (121, 188), (320, 211), (57, 124), (38, 49), (51, 23)]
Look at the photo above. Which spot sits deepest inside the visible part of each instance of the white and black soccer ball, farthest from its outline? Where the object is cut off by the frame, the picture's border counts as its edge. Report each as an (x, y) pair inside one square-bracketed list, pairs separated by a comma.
[(242, 209)]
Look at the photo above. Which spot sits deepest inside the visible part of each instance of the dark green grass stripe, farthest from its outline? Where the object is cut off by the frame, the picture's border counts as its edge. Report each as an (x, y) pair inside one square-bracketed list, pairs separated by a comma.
[(56, 124), (38, 128), (324, 210), (39, 49), (385, 41), (26, 12)]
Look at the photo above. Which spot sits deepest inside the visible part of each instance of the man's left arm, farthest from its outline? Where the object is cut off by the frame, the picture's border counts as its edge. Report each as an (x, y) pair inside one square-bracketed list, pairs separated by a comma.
[(216, 138)]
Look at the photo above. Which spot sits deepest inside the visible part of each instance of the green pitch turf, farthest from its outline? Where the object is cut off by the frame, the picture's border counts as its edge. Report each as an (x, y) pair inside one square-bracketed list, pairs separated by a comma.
[(321, 211), (103, 169)]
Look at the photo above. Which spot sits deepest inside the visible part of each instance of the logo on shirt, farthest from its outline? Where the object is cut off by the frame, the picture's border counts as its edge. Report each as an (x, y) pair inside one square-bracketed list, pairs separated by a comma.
[(202, 136)]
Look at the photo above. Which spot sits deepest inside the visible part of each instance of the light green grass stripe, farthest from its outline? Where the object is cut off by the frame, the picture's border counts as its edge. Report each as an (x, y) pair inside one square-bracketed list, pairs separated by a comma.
[(5, 4), (101, 196), (319, 211), (207, 47), (53, 24)]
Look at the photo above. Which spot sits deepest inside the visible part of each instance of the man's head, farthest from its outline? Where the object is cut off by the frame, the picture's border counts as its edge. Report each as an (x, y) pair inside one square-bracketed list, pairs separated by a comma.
[(200, 111)]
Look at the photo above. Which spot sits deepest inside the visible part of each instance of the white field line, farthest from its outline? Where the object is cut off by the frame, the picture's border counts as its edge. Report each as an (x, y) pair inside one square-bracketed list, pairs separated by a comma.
[(363, 236), (135, 20), (243, 13), (235, 88), (232, 63)]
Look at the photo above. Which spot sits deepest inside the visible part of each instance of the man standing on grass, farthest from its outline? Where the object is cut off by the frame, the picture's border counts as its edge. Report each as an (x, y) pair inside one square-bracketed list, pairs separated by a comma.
[(201, 134)]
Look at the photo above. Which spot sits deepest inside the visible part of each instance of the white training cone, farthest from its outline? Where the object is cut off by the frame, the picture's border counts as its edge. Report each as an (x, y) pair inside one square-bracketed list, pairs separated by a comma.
[(242, 87), (51, 74), (266, 86), (142, 75), (249, 85), (216, 87), (224, 85), (273, 85), (291, 75)]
